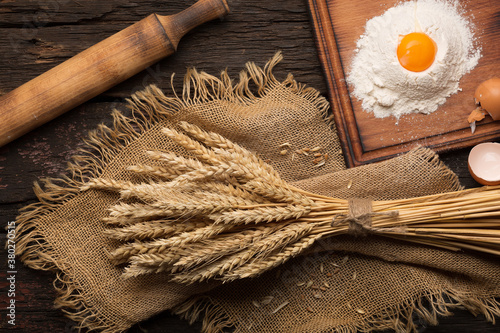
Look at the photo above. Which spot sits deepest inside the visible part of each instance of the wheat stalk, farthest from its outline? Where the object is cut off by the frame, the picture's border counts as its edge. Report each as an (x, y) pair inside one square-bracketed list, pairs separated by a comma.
[(216, 140), (214, 249), (162, 172), (154, 229), (259, 248), (221, 212), (143, 264), (273, 260), (260, 215)]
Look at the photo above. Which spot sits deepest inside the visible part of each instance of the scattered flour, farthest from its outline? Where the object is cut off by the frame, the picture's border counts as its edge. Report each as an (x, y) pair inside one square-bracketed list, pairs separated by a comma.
[(384, 86)]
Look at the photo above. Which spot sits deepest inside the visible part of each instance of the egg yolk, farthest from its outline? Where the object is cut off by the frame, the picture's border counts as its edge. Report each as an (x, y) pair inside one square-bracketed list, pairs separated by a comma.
[(416, 52)]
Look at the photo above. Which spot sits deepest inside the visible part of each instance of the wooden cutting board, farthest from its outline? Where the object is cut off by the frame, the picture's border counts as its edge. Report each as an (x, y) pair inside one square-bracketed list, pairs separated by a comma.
[(338, 24)]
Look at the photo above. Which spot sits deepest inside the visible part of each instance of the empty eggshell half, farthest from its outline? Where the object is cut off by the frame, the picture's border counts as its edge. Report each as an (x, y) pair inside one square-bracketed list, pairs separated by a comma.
[(484, 163)]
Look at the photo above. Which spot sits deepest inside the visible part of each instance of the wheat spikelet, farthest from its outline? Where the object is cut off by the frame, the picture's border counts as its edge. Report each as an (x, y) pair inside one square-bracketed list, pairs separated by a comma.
[(181, 164), (246, 165), (123, 253), (229, 189), (157, 259), (276, 192), (213, 249), (135, 270), (143, 264), (153, 229), (285, 235), (129, 190), (229, 156), (155, 170), (162, 261), (190, 208), (207, 173), (125, 220), (136, 212), (201, 152), (197, 235), (260, 248), (279, 257), (151, 192), (225, 200), (192, 170), (183, 206), (197, 204), (159, 190), (260, 215), (215, 140), (106, 184)]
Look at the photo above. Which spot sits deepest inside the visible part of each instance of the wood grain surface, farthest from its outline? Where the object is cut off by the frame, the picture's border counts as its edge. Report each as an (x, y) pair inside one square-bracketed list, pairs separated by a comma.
[(37, 35), (339, 25), (99, 68)]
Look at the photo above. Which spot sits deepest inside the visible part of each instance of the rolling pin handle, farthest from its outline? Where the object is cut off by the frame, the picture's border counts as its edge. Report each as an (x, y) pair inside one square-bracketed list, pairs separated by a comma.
[(177, 25)]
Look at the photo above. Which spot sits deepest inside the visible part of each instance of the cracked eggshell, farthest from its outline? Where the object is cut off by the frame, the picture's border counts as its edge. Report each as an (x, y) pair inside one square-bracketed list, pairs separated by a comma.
[(488, 95), (484, 163)]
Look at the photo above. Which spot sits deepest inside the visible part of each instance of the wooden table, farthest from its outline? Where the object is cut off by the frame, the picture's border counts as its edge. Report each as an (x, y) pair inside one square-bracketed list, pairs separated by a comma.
[(37, 35)]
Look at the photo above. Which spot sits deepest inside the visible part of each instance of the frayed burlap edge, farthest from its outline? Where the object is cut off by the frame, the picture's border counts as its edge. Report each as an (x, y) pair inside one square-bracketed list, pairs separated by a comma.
[(421, 309), (149, 107)]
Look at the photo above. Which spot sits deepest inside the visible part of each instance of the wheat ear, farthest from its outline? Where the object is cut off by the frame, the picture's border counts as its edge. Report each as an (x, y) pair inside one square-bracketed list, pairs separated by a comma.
[(201, 152), (150, 263), (106, 184), (155, 170), (261, 248), (154, 229), (213, 249), (260, 215), (279, 257), (123, 253), (216, 140)]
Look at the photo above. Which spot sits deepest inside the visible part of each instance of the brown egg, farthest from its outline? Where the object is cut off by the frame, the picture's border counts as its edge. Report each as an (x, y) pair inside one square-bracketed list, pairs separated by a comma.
[(488, 95), (484, 163)]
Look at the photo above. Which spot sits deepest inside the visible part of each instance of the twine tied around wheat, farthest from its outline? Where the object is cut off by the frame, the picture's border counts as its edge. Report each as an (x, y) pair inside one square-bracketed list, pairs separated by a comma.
[(220, 212), (359, 218)]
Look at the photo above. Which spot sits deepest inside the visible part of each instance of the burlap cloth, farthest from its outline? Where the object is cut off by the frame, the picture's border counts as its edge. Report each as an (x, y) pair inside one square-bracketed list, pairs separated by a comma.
[(342, 284)]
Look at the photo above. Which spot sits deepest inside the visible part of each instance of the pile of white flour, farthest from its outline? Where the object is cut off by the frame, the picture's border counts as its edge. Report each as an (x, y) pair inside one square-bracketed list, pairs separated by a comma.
[(384, 86)]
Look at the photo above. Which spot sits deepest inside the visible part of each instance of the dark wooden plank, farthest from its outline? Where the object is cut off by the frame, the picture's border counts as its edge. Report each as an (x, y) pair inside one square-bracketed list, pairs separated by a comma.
[(35, 36), (46, 151), (251, 32)]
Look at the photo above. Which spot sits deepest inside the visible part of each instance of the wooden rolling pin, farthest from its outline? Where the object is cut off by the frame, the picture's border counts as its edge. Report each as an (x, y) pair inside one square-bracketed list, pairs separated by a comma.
[(99, 68)]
